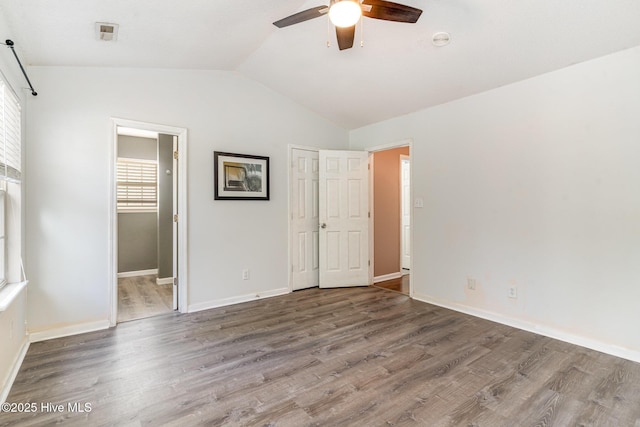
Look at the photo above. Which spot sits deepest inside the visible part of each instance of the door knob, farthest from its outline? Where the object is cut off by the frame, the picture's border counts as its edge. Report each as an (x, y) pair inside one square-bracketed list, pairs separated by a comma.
[(323, 225)]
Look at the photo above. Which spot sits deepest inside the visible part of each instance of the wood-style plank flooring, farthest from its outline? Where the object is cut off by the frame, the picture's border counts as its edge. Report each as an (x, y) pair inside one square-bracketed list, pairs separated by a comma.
[(324, 357), (400, 284), (140, 297)]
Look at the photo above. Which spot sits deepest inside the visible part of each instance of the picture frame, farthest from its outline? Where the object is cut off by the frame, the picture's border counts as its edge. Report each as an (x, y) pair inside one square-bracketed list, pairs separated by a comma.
[(240, 176)]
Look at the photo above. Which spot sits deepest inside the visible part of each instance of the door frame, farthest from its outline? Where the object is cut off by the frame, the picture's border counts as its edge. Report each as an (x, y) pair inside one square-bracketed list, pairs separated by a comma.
[(404, 158), (175, 231), (181, 245), (384, 147)]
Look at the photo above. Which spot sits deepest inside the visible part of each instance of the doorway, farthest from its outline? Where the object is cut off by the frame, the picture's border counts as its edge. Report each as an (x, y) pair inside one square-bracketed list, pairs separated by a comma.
[(306, 215), (391, 194), (148, 220)]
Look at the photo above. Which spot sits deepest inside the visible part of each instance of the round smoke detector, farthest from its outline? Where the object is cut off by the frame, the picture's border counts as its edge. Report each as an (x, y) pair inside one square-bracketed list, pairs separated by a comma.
[(441, 39)]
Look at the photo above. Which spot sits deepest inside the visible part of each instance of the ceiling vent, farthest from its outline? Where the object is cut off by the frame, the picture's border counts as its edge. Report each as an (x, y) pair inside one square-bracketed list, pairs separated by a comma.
[(106, 32)]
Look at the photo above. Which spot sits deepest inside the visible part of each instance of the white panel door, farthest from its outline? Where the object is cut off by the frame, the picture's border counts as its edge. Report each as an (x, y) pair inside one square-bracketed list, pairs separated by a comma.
[(405, 218), (304, 219), (344, 219)]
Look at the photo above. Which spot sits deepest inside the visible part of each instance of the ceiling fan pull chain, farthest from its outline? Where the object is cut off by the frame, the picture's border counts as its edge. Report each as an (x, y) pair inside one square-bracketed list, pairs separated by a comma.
[(361, 32), (328, 31)]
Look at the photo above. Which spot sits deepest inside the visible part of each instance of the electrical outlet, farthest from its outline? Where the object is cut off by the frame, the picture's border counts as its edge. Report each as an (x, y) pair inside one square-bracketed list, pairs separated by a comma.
[(245, 274), (471, 284), (513, 292)]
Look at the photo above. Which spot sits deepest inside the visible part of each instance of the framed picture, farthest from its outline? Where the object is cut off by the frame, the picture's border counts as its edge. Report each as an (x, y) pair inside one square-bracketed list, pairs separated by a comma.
[(240, 176)]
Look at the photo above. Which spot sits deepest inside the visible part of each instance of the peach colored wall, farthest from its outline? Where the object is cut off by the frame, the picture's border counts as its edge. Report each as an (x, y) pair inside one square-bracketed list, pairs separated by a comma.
[(386, 205)]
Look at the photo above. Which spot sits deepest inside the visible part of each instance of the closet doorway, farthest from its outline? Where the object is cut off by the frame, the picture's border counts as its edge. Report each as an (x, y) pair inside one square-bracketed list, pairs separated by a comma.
[(385, 254)]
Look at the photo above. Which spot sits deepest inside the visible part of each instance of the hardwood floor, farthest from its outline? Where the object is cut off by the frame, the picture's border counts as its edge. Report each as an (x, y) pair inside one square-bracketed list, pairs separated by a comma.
[(399, 285), (324, 357), (140, 297)]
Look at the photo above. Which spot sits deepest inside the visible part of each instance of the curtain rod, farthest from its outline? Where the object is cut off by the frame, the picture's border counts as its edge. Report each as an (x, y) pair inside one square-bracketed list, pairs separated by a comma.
[(10, 44)]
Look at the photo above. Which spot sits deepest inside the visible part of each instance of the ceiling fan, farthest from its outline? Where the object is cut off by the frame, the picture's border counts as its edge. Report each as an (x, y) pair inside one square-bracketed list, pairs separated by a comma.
[(344, 14)]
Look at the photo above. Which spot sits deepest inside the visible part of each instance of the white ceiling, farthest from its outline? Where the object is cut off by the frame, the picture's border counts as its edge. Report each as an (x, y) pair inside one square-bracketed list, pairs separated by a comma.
[(494, 42)]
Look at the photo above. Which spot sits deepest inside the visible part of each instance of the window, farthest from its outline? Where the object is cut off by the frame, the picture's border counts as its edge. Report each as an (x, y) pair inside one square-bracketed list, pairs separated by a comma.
[(3, 256), (10, 161), (137, 187), (9, 134)]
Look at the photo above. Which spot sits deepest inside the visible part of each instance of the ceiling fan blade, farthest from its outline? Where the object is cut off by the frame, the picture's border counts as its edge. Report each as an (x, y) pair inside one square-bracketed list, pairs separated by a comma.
[(305, 15), (389, 11), (345, 36)]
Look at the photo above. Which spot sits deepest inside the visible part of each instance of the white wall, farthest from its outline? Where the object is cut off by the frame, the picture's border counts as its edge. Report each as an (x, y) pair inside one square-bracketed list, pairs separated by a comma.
[(534, 185), (14, 341), (67, 204)]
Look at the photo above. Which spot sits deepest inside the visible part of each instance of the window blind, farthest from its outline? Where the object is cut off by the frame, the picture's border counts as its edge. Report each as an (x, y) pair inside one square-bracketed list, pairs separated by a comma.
[(10, 142), (9, 134), (3, 246), (137, 187)]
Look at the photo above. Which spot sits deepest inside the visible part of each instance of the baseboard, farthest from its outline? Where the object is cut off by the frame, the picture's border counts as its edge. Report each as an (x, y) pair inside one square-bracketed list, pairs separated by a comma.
[(389, 276), (17, 363), (137, 273), (66, 331), (164, 281), (236, 300), (581, 341)]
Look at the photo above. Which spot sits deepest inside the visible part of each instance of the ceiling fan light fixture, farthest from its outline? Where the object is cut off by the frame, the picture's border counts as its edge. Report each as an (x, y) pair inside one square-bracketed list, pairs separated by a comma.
[(345, 13)]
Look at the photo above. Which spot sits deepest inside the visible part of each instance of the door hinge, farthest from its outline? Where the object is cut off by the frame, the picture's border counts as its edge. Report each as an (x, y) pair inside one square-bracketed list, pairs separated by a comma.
[(175, 281), (175, 155), (175, 218), (369, 214), (369, 262)]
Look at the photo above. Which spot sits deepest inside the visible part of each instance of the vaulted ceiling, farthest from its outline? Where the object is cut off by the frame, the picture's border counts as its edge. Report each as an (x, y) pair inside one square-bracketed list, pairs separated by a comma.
[(398, 70)]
